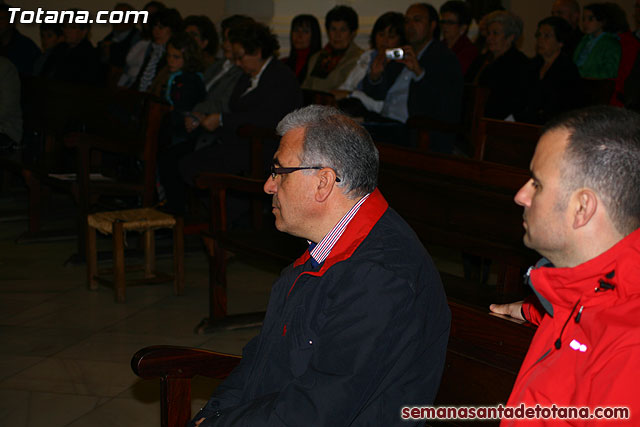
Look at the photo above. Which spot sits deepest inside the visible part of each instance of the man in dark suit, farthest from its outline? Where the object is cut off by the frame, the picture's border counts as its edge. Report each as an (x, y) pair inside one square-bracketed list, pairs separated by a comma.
[(426, 81)]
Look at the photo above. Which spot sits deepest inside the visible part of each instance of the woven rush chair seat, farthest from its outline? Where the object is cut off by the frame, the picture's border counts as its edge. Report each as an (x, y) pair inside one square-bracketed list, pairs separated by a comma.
[(145, 220)]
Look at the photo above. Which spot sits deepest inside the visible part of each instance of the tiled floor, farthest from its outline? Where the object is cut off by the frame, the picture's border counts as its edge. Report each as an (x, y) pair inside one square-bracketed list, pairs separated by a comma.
[(65, 350)]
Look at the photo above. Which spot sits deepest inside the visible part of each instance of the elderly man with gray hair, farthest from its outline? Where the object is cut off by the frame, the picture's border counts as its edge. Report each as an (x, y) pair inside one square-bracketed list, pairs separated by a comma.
[(357, 327), (503, 68)]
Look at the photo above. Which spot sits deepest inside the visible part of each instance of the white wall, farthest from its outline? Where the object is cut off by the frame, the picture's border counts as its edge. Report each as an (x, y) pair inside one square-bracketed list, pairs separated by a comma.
[(278, 13)]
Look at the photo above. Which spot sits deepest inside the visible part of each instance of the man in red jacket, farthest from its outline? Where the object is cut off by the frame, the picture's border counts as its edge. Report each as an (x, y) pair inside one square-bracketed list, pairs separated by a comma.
[(582, 213)]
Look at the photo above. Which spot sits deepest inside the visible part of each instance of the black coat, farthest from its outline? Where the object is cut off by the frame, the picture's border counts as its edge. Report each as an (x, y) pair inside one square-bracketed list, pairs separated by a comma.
[(349, 342), (508, 78)]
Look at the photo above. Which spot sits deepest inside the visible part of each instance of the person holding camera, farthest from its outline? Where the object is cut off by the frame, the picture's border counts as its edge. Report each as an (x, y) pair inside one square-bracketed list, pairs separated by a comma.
[(423, 78)]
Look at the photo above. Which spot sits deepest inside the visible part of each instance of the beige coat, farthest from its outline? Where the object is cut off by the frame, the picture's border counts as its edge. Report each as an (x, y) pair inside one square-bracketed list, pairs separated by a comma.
[(335, 77)]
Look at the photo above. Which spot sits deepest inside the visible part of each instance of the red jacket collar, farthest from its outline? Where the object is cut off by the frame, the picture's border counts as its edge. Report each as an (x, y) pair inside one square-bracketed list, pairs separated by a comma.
[(565, 286), (357, 230)]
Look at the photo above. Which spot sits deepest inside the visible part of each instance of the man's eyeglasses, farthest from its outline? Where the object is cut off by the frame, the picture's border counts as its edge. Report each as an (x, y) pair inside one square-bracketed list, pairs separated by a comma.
[(275, 171)]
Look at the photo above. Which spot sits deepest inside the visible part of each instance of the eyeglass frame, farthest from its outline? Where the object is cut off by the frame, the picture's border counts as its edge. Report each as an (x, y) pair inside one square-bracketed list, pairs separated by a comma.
[(275, 171)]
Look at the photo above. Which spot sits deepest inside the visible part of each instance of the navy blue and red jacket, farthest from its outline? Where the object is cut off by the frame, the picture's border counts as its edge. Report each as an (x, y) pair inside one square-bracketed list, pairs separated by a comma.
[(347, 343)]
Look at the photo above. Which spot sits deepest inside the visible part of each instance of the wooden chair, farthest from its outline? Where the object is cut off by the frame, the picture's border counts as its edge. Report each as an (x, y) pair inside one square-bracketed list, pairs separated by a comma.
[(126, 125), (509, 143), (483, 358)]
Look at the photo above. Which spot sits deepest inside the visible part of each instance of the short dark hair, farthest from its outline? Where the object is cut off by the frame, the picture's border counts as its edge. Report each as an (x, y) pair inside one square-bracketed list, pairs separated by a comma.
[(332, 139), (603, 153), (255, 36), (234, 21), (601, 13), (342, 13), (561, 28), (190, 49), (433, 16), (458, 8), (395, 20), (207, 31), (316, 35), (168, 18), (158, 5)]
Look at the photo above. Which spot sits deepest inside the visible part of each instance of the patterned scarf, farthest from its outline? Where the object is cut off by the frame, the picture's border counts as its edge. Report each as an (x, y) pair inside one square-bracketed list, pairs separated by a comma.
[(327, 61)]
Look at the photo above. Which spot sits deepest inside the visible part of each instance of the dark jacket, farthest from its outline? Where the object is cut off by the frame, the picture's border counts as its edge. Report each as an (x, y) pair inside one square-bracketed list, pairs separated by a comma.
[(79, 64), (276, 95), (556, 92), (437, 95), (22, 51), (508, 78), (349, 342)]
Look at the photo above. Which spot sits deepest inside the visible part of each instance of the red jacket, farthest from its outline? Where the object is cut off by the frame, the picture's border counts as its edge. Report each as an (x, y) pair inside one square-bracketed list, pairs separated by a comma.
[(586, 351)]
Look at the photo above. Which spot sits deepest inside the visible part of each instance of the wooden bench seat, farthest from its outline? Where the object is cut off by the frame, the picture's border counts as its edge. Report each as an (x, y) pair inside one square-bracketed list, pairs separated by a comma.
[(483, 358)]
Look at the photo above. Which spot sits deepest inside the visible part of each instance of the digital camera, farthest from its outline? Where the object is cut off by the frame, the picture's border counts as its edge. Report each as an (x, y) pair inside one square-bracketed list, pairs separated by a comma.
[(396, 53)]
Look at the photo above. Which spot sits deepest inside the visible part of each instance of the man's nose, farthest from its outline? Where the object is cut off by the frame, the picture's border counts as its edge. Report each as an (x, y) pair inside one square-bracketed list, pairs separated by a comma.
[(270, 186), (523, 196)]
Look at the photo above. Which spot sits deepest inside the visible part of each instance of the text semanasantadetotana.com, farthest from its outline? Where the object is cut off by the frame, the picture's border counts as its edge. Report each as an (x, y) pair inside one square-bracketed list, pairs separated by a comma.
[(42, 16), (508, 412)]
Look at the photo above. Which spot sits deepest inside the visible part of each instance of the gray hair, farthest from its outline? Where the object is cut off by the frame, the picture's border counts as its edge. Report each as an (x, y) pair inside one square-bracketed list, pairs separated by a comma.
[(603, 153), (511, 24), (333, 140)]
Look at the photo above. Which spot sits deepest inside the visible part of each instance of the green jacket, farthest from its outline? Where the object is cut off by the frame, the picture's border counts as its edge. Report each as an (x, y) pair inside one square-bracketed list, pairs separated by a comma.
[(603, 60)]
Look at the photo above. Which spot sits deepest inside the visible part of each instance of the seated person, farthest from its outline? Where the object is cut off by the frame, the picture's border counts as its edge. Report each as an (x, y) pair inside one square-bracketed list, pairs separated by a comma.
[(598, 53), (455, 18), (387, 33), (204, 33), (147, 57), (503, 69), (329, 67), (20, 49), (51, 35), (75, 60), (221, 77), (152, 8), (426, 81), (305, 39), (184, 88), (569, 10), (581, 213), (116, 45), (358, 326), (265, 93), (556, 85), (10, 110)]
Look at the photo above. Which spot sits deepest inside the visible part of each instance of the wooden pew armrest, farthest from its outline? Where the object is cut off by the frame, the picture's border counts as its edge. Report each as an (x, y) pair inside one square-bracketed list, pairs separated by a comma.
[(165, 361)]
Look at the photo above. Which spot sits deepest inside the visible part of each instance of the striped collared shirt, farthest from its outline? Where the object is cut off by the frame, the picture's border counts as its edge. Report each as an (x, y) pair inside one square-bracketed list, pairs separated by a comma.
[(319, 252)]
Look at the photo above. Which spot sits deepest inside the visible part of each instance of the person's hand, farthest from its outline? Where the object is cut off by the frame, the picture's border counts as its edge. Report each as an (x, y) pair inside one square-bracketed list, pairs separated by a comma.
[(512, 310), (210, 122), (199, 421), (377, 66), (340, 94), (192, 121), (410, 60)]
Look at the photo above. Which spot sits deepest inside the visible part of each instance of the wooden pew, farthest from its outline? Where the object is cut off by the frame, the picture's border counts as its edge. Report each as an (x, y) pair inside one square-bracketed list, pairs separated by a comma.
[(509, 143), (483, 358)]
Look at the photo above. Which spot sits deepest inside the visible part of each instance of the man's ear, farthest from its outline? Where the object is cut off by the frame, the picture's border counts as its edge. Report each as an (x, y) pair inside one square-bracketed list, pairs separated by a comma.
[(585, 208), (326, 184)]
